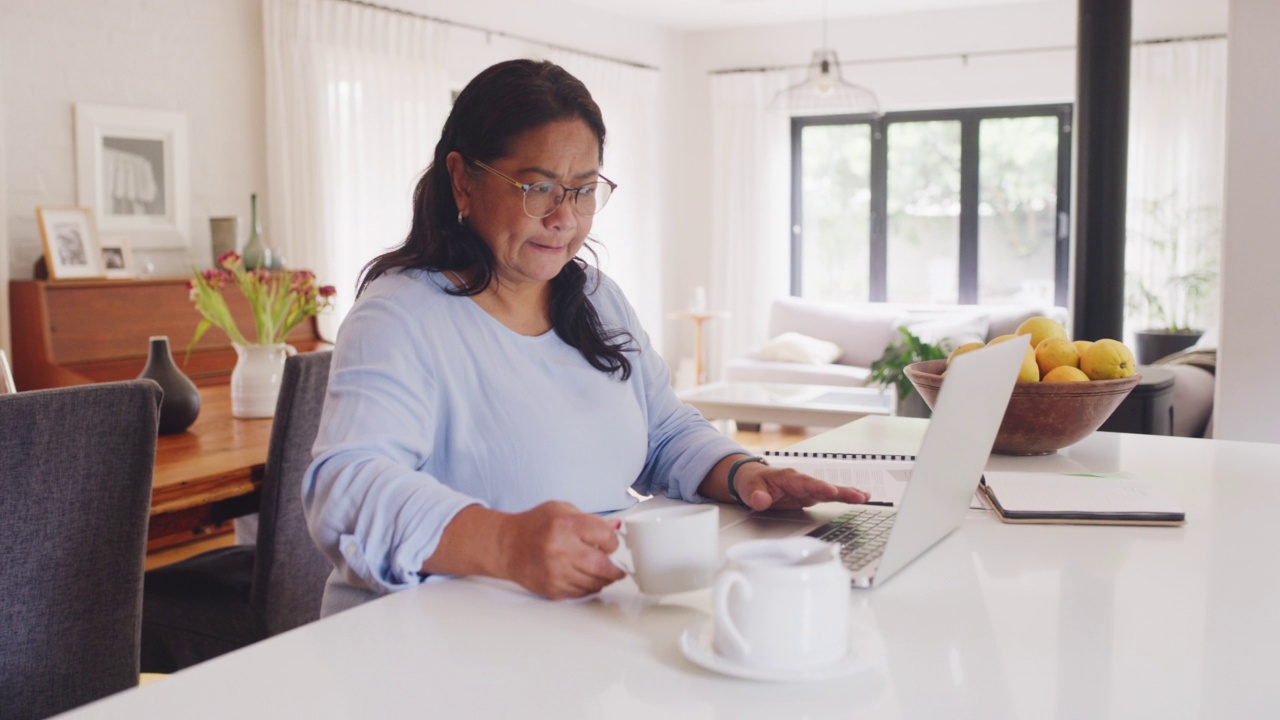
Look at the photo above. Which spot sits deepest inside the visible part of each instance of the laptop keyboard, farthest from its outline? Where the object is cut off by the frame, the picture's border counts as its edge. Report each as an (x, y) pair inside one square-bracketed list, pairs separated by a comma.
[(861, 535)]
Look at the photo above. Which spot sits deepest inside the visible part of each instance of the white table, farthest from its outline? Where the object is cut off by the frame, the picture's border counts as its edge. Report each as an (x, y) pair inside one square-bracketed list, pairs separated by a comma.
[(996, 621), (788, 403)]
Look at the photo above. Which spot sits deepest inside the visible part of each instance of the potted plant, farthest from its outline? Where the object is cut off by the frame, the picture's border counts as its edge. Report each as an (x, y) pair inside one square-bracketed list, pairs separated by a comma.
[(1178, 280), (888, 371)]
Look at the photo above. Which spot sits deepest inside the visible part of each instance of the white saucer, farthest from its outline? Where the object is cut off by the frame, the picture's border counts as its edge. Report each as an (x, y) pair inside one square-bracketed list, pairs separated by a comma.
[(695, 643)]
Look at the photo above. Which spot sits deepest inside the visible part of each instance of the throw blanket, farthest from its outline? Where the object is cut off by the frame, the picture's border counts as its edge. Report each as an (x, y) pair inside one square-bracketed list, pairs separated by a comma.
[(1207, 359)]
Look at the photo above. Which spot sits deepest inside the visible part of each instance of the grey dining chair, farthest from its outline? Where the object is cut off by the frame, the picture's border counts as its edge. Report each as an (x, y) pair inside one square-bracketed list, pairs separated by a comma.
[(75, 493), (225, 599)]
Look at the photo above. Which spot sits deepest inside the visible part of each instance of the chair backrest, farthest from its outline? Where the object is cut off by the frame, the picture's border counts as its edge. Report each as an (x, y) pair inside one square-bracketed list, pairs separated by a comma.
[(75, 493), (289, 570)]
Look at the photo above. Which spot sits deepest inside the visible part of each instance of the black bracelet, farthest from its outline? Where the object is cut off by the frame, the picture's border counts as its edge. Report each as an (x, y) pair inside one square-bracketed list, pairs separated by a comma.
[(733, 470)]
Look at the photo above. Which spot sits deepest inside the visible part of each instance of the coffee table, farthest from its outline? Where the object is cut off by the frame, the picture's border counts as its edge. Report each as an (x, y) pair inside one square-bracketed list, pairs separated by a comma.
[(788, 403)]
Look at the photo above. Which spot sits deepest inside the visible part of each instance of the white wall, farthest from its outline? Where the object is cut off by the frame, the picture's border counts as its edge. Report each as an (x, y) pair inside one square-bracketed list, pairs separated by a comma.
[(205, 58), (1248, 390), (199, 57), (575, 26)]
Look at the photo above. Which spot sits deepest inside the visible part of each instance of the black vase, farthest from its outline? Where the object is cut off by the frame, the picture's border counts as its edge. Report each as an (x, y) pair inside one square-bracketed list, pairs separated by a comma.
[(181, 403)]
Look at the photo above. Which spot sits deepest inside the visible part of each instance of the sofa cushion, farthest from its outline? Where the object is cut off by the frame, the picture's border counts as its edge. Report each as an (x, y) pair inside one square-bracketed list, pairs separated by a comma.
[(862, 331), (1004, 320), (951, 333), (765, 371), (798, 348)]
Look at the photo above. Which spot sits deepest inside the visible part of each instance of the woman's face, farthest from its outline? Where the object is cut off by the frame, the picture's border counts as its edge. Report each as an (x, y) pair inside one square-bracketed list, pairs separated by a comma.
[(530, 250)]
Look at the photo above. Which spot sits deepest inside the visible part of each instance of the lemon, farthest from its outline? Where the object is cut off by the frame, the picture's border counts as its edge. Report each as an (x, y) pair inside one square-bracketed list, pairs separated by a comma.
[(967, 347), (1041, 328), (1056, 352), (1001, 339), (1030, 371), (1082, 345), (1065, 373), (1108, 360)]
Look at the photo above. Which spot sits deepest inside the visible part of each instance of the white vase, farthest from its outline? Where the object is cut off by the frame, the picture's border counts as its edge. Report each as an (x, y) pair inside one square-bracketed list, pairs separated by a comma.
[(255, 381)]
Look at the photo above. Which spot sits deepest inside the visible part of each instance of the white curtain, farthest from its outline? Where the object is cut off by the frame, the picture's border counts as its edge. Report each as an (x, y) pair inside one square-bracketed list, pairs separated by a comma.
[(750, 205), (627, 230), (1177, 139), (356, 97)]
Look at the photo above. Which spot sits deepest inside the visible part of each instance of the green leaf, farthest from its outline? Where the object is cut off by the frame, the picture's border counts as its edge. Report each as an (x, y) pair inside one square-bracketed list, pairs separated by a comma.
[(889, 368), (200, 331)]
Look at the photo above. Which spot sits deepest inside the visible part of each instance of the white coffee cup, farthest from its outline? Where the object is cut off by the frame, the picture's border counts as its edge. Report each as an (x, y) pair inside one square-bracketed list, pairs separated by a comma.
[(782, 604), (673, 549)]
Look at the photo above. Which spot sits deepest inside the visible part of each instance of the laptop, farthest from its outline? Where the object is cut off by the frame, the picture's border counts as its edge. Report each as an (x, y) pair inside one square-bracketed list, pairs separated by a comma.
[(877, 542)]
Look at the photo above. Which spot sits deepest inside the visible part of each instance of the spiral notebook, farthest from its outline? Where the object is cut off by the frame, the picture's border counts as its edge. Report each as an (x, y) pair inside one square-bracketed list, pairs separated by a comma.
[(875, 437), (874, 454)]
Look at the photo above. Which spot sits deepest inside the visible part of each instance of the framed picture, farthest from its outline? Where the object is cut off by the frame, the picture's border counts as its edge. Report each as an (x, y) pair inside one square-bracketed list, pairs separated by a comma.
[(117, 257), (70, 243), (131, 169)]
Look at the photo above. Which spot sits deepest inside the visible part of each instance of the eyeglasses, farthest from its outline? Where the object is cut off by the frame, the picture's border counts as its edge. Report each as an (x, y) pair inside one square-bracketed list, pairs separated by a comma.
[(542, 198)]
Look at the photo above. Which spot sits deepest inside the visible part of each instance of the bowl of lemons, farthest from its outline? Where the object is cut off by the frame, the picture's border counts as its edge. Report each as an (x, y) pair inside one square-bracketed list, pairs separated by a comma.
[(1065, 389)]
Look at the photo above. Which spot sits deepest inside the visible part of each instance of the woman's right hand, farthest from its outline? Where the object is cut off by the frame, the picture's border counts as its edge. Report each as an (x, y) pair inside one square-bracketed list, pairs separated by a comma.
[(554, 550), (558, 551)]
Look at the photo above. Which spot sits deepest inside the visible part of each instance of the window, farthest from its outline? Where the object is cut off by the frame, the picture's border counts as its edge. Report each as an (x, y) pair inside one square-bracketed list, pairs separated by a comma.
[(950, 206)]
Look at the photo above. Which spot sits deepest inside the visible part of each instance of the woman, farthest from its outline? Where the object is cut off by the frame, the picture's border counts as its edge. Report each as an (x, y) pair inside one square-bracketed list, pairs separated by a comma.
[(491, 394)]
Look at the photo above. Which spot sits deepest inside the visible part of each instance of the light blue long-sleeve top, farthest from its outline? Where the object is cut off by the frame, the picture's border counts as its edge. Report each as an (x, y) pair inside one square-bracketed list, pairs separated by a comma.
[(434, 405)]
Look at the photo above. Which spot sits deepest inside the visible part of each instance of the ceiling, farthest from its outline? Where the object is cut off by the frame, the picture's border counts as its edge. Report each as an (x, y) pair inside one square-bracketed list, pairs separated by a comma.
[(690, 15)]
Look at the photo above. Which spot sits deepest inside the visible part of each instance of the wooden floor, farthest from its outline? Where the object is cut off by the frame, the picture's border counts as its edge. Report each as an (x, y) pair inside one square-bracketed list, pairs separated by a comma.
[(770, 437)]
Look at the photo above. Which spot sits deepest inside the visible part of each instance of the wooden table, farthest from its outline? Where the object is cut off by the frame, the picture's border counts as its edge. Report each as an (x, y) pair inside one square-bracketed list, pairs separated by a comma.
[(208, 475)]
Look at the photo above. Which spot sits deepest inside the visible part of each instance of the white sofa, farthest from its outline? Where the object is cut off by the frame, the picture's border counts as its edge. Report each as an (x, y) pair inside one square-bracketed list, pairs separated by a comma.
[(862, 332)]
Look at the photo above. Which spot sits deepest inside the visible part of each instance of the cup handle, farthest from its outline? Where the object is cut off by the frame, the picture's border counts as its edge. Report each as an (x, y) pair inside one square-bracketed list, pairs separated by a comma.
[(720, 603), (616, 558)]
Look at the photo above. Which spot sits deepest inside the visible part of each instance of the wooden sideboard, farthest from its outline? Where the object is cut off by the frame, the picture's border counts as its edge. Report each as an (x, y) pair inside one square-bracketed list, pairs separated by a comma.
[(86, 331)]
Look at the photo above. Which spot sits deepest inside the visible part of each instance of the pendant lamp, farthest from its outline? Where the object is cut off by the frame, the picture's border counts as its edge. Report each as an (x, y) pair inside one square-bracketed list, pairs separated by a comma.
[(824, 91)]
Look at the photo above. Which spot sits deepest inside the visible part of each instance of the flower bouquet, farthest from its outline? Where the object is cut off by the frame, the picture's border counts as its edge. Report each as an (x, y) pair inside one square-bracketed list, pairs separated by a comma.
[(279, 300)]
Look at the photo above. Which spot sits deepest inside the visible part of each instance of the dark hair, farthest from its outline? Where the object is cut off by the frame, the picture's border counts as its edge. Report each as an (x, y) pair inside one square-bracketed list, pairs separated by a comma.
[(497, 106)]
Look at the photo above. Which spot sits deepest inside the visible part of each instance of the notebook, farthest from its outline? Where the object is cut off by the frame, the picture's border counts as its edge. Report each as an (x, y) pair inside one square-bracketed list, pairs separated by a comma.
[(877, 542), (1078, 498)]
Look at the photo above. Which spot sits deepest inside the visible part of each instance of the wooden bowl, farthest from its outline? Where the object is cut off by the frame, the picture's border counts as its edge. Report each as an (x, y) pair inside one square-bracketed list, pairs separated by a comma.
[(1041, 417)]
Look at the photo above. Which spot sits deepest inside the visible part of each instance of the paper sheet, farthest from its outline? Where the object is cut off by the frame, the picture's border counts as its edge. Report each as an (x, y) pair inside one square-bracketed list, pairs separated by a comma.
[(1078, 493)]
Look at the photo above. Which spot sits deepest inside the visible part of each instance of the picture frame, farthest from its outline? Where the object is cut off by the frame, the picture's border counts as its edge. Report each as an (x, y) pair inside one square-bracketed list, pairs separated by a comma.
[(117, 257), (132, 170), (70, 239)]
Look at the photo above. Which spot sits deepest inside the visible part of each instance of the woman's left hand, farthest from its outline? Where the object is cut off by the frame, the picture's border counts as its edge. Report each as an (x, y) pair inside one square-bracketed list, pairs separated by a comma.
[(763, 487)]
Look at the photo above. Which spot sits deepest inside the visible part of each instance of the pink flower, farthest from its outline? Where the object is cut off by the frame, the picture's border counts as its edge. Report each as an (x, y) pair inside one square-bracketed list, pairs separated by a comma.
[(229, 259), (279, 301), (216, 278)]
